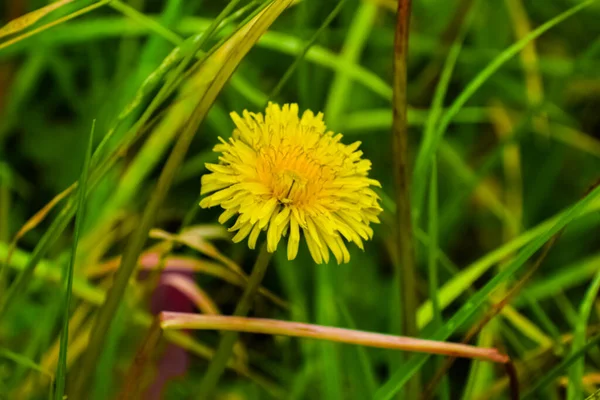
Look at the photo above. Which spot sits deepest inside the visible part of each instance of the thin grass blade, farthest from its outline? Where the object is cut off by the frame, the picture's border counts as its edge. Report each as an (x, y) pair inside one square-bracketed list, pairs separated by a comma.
[(61, 372), (400, 377), (429, 148), (575, 386), (212, 75), (25, 21)]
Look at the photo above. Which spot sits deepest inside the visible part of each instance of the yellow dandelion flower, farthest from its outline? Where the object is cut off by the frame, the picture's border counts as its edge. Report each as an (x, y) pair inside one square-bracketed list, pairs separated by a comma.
[(284, 174)]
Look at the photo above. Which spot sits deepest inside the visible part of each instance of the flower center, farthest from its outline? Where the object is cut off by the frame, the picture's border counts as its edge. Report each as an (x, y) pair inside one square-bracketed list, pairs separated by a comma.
[(293, 176)]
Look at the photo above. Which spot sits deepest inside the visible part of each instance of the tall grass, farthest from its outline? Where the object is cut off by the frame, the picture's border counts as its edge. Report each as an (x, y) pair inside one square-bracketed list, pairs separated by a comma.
[(500, 153)]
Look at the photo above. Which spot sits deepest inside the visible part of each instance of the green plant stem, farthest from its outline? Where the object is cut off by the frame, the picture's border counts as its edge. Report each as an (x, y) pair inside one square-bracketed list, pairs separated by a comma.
[(433, 264), (219, 361), (433, 246), (70, 272), (405, 263)]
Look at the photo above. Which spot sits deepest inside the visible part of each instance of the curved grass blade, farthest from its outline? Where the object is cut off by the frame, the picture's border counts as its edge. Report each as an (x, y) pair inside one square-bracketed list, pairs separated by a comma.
[(141, 18), (438, 103), (24, 21), (213, 73), (399, 378), (465, 279), (429, 147), (83, 290), (35, 220), (192, 239), (77, 32), (53, 23), (102, 161)]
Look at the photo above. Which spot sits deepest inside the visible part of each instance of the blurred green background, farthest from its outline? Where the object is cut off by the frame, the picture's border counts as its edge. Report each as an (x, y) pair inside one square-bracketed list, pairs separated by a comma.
[(524, 147)]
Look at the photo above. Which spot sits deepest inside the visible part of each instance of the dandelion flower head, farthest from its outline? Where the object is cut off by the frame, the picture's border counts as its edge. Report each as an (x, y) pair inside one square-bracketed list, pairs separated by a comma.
[(286, 174)]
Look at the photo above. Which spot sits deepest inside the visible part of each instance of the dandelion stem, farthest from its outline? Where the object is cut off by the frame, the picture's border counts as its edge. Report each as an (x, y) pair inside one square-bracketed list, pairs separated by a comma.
[(405, 263), (225, 349)]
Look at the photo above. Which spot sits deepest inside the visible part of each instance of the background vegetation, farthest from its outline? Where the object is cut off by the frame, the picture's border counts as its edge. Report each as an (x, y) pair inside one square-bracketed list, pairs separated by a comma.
[(504, 130)]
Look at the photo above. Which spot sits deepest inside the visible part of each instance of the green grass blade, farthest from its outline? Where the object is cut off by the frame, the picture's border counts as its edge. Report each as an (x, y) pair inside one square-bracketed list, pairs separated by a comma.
[(467, 277), (82, 289), (594, 396), (432, 264), (102, 160), (61, 371), (462, 281), (437, 107), (280, 42), (49, 25), (472, 305), (575, 388), (568, 277), (215, 71), (429, 148), (356, 39), (366, 381), (301, 55), (20, 283), (26, 362), (545, 321), (557, 370), (329, 353), (25, 21)]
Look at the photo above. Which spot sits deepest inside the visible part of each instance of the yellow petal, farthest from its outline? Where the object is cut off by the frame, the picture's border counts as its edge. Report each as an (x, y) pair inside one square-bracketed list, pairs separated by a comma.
[(253, 236), (342, 245), (227, 214), (335, 248), (294, 239), (282, 216), (242, 233), (267, 216), (312, 231), (313, 248)]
